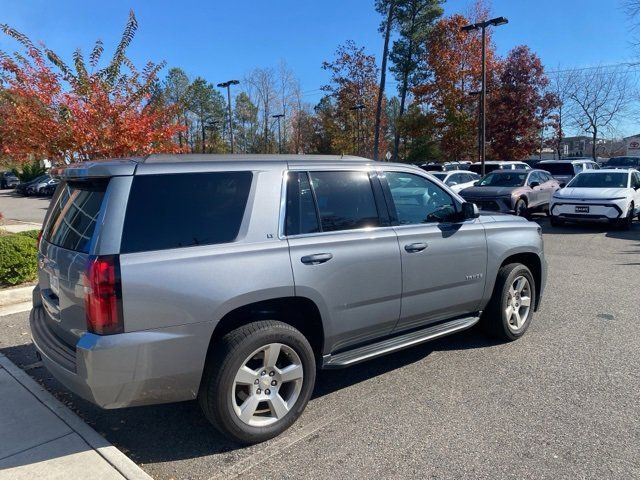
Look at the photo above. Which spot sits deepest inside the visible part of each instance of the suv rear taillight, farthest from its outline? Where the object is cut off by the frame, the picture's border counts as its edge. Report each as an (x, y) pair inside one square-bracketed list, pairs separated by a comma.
[(103, 295)]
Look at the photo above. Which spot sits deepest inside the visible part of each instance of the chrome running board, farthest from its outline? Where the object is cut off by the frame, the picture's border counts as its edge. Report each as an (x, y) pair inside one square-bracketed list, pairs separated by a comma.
[(389, 345)]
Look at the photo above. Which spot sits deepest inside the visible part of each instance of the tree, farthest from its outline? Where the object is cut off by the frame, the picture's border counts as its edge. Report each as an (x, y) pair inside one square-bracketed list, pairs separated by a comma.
[(519, 107), (416, 19), (354, 89), (602, 98), (561, 86), (383, 7), (83, 112), (451, 56), (208, 107), (176, 92), (246, 119), (262, 91)]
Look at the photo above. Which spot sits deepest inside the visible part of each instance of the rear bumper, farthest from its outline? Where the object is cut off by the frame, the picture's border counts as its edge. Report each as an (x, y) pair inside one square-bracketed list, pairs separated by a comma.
[(128, 369)]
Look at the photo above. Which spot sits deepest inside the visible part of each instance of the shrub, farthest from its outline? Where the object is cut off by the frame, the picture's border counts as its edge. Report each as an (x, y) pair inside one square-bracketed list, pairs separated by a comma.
[(18, 259), (30, 171), (30, 233)]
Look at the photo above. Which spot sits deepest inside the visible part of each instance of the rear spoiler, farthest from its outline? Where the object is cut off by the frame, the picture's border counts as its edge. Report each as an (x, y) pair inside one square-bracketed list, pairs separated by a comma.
[(95, 169)]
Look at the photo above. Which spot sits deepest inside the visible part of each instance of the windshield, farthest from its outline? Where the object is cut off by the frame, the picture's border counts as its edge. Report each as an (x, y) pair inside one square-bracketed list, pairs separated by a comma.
[(557, 168), (600, 180), (503, 179), (440, 176), (624, 162)]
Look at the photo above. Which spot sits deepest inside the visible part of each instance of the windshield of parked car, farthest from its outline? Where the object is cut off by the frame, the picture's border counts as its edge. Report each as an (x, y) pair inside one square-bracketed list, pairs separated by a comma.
[(504, 179), (624, 162), (557, 168), (600, 180), (440, 176)]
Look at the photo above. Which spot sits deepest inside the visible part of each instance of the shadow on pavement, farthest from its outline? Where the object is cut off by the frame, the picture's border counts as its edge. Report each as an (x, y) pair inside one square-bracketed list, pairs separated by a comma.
[(180, 431)]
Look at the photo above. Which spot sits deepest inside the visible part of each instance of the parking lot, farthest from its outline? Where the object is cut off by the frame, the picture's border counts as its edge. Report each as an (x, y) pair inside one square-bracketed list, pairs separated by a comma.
[(562, 402), (17, 208)]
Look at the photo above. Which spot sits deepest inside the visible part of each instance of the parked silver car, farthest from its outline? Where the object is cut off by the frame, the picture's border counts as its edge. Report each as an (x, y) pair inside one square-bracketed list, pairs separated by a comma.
[(231, 278)]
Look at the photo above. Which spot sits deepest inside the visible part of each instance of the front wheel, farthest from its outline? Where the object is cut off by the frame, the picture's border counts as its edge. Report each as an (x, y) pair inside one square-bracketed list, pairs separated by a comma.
[(627, 222), (556, 221), (521, 208), (510, 309), (257, 381)]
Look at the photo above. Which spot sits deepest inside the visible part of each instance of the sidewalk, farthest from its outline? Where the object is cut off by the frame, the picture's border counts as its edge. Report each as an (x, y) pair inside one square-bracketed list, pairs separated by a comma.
[(41, 438)]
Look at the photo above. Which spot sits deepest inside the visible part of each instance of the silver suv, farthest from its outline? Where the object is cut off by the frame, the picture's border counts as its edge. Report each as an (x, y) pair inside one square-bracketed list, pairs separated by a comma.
[(231, 279)]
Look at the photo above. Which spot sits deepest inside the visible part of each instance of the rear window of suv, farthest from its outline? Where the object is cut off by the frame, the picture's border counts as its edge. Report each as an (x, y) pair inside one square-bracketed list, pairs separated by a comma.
[(184, 210), (558, 168), (72, 221)]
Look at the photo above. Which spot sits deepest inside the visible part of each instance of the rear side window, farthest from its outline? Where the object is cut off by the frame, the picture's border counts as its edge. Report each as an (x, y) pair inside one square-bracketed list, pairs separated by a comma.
[(184, 210), (345, 200), (72, 221)]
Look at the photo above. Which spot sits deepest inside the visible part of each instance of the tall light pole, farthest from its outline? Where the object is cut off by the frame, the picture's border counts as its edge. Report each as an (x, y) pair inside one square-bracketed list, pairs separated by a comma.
[(358, 108), (483, 91), (278, 117), (227, 85)]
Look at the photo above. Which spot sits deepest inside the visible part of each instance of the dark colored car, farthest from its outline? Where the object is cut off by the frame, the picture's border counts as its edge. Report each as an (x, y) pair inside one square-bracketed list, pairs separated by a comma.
[(23, 187), (513, 191), (623, 162), (8, 180)]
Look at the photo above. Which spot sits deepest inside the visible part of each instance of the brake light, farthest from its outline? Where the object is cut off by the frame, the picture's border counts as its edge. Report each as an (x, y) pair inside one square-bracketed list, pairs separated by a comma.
[(103, 295)]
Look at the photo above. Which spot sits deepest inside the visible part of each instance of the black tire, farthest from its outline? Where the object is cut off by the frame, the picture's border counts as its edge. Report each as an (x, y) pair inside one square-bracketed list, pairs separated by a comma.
[(520, 209), (228, 355), (494, 319), (556, 221), (627, 222)]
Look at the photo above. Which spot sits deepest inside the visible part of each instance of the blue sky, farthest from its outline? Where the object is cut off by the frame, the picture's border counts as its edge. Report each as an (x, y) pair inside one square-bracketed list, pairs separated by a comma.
[(221, 40)]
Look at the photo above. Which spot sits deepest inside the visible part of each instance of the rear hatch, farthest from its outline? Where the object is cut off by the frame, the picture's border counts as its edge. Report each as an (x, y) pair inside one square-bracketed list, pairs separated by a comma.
[(68, 239)]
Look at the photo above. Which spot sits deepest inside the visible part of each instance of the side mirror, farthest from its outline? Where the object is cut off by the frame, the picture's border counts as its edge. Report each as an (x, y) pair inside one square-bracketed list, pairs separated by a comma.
[(534, 184), (476, 183), (469, 211), (451, 184), (563, 184)]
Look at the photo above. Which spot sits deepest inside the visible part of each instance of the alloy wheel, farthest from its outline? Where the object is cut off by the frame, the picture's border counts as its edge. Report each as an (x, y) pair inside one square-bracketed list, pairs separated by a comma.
[(518, 303), (267, 385)]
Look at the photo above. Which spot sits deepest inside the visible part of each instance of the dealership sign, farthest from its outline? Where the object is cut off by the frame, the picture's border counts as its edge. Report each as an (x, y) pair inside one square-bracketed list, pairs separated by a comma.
[(633, 146)]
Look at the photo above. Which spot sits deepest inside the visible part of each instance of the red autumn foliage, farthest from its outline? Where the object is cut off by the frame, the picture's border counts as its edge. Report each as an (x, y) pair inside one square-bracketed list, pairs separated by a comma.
[(61, 115)]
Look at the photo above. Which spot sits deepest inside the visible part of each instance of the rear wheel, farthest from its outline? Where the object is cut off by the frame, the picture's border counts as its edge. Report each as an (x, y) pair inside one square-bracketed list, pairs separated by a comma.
[(257, 381), (510, 309)]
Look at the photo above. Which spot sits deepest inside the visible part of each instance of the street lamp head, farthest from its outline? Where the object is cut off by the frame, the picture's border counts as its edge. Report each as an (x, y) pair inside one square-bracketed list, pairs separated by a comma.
[(469, 28), (227, 84), (498, 21), (278, 115)]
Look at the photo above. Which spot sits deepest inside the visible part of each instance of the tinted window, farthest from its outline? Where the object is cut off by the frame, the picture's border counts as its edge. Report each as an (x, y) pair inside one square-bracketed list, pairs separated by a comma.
[(183, 210), (301, 210), (345, 200), (624, 162), (73, 217), (487, 168), (417, 200), (558, 168), (440, 176), (535, 177)]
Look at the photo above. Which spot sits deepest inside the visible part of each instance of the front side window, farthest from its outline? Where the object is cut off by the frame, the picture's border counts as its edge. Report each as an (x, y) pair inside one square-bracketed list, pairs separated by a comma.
[(418, 201), (184, 210), (345, 200)]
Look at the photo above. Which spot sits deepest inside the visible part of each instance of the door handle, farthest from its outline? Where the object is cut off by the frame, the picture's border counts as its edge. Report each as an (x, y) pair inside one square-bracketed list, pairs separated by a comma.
[(415, 247), (316, 258)]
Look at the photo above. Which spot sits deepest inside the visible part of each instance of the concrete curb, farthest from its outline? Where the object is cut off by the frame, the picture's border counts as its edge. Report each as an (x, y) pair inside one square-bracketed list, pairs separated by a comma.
[(21, 227), (118, 460), (13, 295)]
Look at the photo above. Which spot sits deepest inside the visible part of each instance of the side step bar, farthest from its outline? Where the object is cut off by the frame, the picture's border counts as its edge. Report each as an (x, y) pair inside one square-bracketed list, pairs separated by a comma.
[(389, 345)]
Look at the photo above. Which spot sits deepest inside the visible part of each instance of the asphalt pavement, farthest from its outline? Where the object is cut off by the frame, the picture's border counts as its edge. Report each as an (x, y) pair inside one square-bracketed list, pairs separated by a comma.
[(15, 207), (561, 402)]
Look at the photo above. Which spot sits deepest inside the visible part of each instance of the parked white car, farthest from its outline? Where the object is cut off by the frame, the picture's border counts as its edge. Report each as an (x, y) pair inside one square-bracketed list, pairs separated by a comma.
[(599, 195), (457, 180)]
